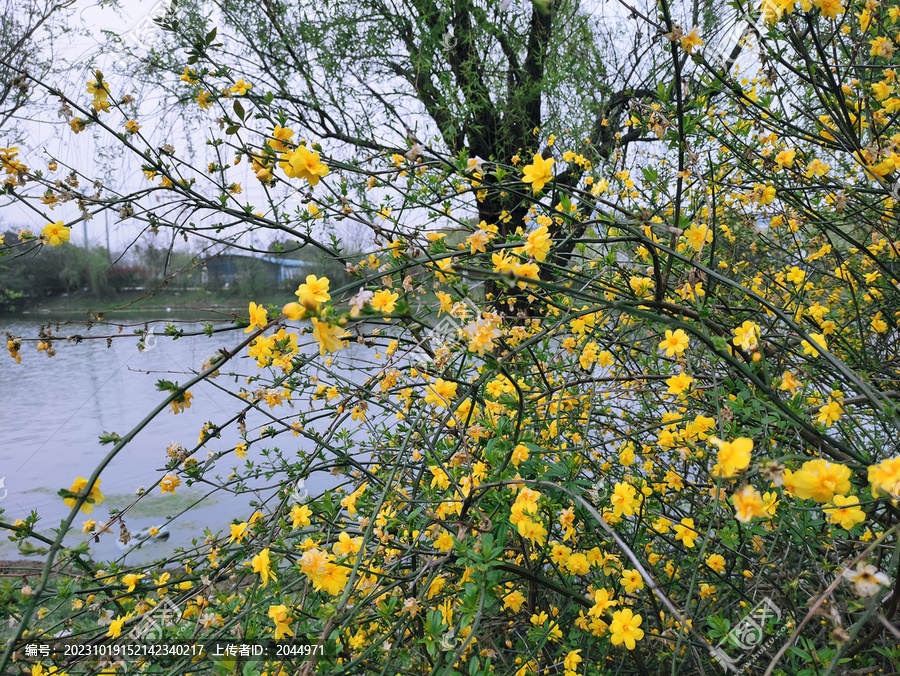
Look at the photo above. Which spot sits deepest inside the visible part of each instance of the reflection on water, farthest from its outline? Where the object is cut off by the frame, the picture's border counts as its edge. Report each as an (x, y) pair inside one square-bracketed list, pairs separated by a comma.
[(54, 410)]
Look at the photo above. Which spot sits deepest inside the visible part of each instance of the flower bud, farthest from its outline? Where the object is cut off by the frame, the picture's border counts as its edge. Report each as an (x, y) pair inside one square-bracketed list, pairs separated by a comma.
[(293, 311)]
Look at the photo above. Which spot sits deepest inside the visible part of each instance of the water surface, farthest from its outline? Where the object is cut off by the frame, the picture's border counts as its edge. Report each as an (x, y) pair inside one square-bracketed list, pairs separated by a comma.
[(54, 410)]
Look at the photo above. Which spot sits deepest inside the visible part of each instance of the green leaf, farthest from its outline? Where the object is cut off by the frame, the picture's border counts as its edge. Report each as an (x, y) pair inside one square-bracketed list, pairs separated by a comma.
[(663, 92), (800, 653), (239, 109), (166, 386), (111, 437)]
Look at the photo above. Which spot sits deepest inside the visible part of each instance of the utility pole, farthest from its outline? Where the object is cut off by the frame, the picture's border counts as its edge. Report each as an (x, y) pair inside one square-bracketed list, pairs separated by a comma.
[(108, 250)]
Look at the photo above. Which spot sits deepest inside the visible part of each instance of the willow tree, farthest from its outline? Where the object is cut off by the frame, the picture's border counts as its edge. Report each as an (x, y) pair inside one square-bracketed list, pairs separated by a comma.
[(28, 29), (486, 80)]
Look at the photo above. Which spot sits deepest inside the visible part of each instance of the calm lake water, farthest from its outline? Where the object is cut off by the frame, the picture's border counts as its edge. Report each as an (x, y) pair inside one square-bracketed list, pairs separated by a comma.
[(54, 409)]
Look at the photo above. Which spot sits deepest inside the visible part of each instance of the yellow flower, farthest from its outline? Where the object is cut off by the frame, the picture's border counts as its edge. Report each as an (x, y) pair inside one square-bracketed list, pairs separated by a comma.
[(55, 233), (716, 562), (680, 383), (796, 275), (281, 136), (578, 564), (333, 579), (514, 601), (820, 480), (885, 476), (788, 382), (830, 8), (98, 88), (440, 393), (131, 580), (303, 164), (238, 531), (132, 127), (169, 484), (631, 580), (830, 413), (115, 627), (538, 244), (293, 311), (300, 515), (95, 497), (259, 317), (748, 504), (764, 194), (384, 300), (263, 566), (328, 336), (538, 173), (686, 533), (786, 157), (818, 341), (691, 40), (733, 456), (444, 541), (279, 615), (572, 660), (674, 343), (625, 628), (313, 293), (845, 511), (747, 335), (881, 47), (519, 455), (347, 545), (240, 87), (181, 402), (816, 168), (624, 500), (202, 100), (697, 235)]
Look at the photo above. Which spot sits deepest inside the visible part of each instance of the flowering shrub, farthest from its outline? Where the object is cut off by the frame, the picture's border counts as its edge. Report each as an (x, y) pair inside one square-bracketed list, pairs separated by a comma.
[(591, 440)]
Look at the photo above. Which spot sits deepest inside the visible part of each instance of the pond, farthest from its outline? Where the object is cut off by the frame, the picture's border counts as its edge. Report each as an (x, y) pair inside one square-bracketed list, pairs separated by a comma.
[(55, 409)]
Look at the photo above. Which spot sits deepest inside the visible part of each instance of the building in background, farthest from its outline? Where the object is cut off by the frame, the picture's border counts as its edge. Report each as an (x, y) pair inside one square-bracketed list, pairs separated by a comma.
[(226, 269)]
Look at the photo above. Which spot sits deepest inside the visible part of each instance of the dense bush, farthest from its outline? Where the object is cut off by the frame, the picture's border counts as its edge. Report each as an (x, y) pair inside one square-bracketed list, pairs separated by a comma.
[(641, 419)]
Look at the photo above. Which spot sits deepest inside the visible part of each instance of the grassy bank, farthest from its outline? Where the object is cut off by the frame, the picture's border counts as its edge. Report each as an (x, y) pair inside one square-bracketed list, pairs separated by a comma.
[(125, 303)]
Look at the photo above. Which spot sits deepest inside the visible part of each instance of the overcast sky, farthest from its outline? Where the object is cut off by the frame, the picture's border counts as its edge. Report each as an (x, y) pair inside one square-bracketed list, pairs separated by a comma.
[(79, 52)]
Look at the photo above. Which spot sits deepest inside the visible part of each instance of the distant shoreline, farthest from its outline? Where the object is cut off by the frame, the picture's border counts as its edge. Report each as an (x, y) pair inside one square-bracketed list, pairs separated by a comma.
[(78, 304)]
